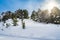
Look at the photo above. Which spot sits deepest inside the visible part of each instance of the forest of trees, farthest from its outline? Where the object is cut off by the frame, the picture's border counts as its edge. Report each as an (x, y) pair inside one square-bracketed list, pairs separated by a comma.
[(39, 16), (46, 17), (17, 14), (21, 14)]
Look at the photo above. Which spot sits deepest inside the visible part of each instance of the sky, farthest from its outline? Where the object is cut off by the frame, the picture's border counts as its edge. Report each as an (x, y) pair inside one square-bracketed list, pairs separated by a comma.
[(30, 5)]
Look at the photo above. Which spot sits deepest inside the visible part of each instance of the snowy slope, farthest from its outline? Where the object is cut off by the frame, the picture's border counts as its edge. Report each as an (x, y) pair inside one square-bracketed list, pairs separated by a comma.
[(33, 30)]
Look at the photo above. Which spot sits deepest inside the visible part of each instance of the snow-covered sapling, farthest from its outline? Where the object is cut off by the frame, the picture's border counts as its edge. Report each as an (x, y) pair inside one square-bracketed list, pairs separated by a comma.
[(14, 21), (23, 25)]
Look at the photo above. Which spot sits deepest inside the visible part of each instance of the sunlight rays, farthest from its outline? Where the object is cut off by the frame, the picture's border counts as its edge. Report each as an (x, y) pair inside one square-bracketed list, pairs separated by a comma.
[(50, 4)]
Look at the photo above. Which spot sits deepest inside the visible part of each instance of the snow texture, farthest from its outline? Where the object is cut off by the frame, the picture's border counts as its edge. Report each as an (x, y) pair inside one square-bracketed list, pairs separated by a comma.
[(33, 31)]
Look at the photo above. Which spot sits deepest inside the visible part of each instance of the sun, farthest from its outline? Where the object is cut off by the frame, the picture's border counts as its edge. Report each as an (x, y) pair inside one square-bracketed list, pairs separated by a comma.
[(51, 4)]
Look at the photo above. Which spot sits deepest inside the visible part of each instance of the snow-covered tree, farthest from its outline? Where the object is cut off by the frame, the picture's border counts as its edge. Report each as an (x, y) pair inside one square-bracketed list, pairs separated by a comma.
[(55, 15), (44, 16), (8, 15), (40, 16), (19, 13)]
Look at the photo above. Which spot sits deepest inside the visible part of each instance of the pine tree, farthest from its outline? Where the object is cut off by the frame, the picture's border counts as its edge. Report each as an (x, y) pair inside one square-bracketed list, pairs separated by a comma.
[(25, 14)]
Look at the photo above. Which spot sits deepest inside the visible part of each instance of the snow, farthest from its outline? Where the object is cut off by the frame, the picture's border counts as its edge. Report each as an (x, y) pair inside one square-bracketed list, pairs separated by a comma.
[(33, 31), (13, 38)]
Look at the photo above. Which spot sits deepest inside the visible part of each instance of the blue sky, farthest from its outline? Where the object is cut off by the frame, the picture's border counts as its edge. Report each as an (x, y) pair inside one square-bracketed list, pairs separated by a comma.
[(12, 5)]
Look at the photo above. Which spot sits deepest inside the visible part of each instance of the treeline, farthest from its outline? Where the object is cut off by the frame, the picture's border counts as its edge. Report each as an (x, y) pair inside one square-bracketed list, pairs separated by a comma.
[(17, 14), (46, 17), (39, 16)]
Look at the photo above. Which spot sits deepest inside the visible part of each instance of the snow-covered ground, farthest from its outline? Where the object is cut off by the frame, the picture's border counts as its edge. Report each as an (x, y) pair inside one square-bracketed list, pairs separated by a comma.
[(33, 31)]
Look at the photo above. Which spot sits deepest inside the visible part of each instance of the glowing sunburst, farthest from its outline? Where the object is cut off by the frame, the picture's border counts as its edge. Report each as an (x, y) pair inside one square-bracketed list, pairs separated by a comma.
[(51, 4)]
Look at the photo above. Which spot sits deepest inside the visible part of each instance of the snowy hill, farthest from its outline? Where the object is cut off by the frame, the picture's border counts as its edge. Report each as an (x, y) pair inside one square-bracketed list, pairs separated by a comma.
[(33, 31)]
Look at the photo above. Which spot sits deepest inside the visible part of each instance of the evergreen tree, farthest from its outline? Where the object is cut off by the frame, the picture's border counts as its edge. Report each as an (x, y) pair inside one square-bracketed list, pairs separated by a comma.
[(7, 15), (25, 14), (33, 15), (55, 15), (18, 13)]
